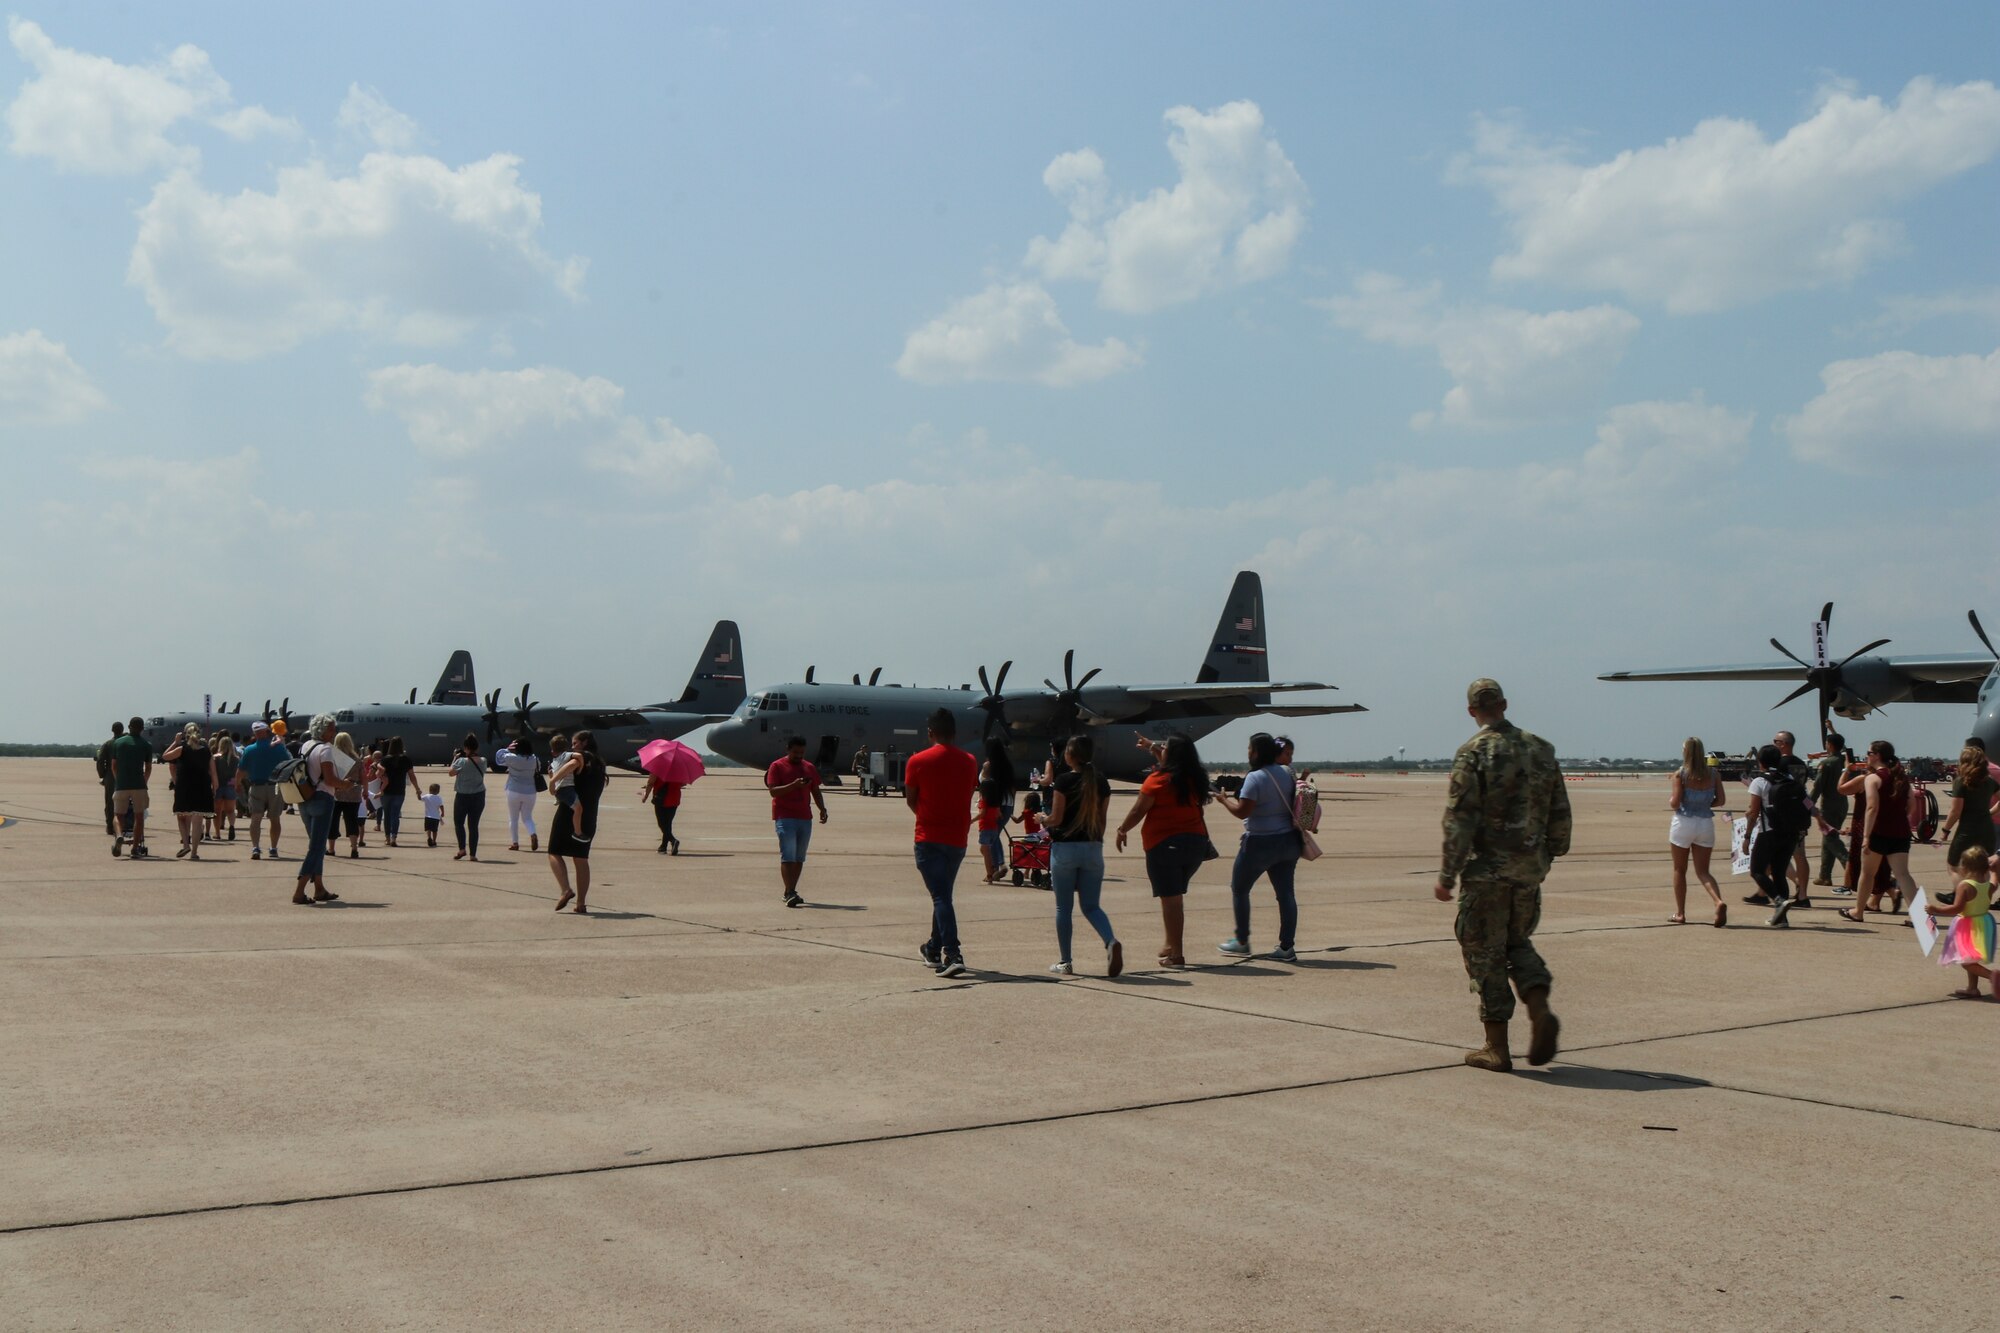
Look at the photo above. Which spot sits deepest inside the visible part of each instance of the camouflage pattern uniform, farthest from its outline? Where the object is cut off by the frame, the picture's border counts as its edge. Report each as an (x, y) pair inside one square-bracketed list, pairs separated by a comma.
[(1506, 819)]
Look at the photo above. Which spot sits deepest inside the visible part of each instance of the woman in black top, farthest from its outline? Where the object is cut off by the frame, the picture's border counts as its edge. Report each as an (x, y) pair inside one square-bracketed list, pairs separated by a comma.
[(576, 822), (398, 769), (194, 787)]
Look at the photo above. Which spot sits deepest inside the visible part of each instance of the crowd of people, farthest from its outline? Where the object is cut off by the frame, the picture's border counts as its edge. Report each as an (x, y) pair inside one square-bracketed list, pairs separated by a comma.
[(335, 789), (1868, 813), (1507, 818)]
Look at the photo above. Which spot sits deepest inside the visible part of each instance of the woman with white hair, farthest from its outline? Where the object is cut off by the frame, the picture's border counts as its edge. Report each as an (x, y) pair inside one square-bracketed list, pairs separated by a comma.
[(194, 787), (323, 774)]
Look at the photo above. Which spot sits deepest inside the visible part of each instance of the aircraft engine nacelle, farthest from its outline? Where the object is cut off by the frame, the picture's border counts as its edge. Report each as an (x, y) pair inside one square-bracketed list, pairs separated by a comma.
[(1866, 684), (1110, 702)]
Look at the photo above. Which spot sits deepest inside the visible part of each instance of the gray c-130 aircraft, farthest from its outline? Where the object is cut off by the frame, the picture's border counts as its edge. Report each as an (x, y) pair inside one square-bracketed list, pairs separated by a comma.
[(1864, 680), (837, 720), (455, 685), (432, 734)]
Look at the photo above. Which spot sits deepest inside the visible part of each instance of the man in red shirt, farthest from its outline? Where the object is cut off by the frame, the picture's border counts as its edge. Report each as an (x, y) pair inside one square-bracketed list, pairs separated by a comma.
[(938, 784), (794, 787)]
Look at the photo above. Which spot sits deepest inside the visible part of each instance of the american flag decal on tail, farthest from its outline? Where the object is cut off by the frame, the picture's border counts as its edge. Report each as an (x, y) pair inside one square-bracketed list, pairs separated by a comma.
[(1246, 624)]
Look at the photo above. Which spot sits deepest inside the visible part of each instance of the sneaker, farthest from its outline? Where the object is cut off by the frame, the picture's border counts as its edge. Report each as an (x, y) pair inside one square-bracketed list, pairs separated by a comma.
[(1114, 958), (256, 855), (793, 900), (954, 966), (1778, 910), (929, 953), (140, 849), (1234, 947), (1062, 969), (118, 847), (1842, 891), (1284, 955), (1757, 899)]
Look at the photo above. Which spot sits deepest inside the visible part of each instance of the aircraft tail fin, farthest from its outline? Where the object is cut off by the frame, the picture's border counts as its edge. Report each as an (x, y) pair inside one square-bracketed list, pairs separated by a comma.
[(456, 685), (1237, 651), (716, 687)]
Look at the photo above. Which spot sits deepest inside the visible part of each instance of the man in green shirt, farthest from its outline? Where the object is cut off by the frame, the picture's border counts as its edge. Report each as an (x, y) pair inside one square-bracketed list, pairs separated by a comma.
[(131, 769)]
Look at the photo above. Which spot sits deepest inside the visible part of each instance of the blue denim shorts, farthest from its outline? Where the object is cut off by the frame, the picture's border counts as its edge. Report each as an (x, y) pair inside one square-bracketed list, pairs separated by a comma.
[(794, 836), (990, 837)]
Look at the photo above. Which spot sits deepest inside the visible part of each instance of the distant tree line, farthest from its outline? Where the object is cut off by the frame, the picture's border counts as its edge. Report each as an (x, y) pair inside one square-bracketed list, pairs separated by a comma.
[(48, 750)]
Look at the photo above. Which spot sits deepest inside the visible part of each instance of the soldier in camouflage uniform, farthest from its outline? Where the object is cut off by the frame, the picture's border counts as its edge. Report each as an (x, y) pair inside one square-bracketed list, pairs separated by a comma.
[(1506, 819)]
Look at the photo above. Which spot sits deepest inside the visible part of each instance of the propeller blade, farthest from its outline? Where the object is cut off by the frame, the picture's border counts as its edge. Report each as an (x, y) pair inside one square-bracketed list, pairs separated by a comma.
[(1087, 677), (1977, 628), (267, 710), (1826, 616), (1069, 660), (809, 674), (413, 694), (1804, 689), (1000, 681), (985, 687), (875, 675), (1053, 687), (1789, 653), (1858, 651), (857, 678)]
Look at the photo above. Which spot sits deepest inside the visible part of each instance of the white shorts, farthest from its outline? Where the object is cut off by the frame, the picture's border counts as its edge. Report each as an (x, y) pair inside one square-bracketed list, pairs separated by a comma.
[(1686, 832)]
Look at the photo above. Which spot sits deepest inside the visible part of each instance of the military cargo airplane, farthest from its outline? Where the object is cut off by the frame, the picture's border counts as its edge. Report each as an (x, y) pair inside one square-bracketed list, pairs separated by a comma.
[(838, 720), (1865, 681), (454, 686), (431, 733)]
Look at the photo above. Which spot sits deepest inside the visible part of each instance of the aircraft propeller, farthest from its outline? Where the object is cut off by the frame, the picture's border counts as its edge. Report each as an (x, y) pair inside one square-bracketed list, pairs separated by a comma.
[(809, 674), (1825, 677), (1069, 698), (524, 709), (492, 715), (993, 703), (413, 694), (1980, 630)]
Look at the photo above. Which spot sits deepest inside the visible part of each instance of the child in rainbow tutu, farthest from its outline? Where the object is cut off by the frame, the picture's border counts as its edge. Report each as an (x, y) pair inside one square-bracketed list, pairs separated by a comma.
[(1968, 941)]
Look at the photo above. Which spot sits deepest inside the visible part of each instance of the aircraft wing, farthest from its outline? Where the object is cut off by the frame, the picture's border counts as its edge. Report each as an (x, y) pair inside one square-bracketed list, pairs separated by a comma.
[(1943, 668), (1313, 710), (1220, 690)]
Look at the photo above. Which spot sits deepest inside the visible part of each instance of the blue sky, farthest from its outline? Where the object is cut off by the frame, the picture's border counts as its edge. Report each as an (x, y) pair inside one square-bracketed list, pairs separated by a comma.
[(1531, 345)]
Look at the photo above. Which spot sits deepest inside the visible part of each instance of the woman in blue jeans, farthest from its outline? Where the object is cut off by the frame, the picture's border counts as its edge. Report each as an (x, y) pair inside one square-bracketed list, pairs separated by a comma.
[(318, 810), (1270, 846), (1077, 816)]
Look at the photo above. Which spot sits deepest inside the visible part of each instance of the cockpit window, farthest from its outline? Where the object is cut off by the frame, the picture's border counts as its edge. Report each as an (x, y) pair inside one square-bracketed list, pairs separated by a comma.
[(345, 715), (156, 722)]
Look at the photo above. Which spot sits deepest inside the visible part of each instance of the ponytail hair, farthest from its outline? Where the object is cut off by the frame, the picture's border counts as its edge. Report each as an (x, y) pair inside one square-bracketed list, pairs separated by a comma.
[(1089, 817)]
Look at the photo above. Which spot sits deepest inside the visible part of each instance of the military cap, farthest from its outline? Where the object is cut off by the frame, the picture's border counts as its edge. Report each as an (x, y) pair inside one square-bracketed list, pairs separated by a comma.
[(1484, 693)]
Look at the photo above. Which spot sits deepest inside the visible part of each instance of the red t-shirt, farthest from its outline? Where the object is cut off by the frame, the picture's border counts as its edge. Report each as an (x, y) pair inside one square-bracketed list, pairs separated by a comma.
[(944, 778), (1170, 815), (796, 803), (989, 816)]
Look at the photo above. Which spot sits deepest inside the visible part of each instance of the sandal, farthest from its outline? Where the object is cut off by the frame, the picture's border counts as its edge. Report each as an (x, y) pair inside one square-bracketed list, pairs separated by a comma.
[(1677, 921), (564, 901), (324, 897), (1847, 915), (1173, 960), (1721, 915), (1896, 901)]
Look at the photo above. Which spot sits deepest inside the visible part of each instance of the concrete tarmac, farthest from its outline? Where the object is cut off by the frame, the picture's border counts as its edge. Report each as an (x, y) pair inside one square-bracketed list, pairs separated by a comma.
[(439, 1104)]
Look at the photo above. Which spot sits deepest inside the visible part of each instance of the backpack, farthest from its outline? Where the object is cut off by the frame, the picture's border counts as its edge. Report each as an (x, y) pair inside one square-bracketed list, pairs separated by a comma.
[(293, 780), (1785, 811), (1305, 804)]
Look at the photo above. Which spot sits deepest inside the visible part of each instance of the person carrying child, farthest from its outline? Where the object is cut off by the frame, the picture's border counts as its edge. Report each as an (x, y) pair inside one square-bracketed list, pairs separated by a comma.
[(1968, 941)]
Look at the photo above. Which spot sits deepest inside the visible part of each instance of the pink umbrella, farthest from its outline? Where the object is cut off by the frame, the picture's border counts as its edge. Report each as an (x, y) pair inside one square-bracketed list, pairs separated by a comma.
[(671, 761)]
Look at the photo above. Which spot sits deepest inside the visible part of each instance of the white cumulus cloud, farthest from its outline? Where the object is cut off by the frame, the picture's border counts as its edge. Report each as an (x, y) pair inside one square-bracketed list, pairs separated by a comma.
[(41, 384), (406, 248), (1232, 218), (1724, 216), (458, 415), (1010, 331), (366, 113), (1880, 413), (90, 113), (1508, 366)]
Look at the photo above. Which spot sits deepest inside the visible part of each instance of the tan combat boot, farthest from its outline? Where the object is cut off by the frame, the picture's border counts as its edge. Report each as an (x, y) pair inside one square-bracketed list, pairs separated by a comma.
[(1545, 1027), (1493, 1055)]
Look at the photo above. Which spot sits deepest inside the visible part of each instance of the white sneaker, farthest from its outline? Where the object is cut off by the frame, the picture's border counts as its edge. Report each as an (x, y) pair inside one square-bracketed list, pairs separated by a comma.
[(1062, 969)]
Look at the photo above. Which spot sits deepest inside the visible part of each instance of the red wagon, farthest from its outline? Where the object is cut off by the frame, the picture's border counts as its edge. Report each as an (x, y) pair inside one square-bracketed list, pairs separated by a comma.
[(1028, 858)]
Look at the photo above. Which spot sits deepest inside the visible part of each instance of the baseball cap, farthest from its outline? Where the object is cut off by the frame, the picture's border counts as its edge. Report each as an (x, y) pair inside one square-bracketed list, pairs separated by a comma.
[(1484, 691), (260, 725)]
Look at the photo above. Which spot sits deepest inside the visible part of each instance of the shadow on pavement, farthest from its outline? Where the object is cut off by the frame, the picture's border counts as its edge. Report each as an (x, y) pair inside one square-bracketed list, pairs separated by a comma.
[(1341, 964), (1615, 1080)]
